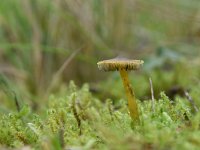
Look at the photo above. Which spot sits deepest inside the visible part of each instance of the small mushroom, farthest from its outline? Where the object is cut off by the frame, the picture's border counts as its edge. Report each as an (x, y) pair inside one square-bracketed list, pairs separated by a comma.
[(123, 65)]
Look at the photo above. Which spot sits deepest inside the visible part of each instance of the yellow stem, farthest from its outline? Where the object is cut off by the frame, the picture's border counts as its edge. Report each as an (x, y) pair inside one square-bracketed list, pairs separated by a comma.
[(132, 105)]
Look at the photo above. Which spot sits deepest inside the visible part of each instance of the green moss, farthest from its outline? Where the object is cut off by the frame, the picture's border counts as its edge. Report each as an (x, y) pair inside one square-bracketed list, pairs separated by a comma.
[(77, 119)]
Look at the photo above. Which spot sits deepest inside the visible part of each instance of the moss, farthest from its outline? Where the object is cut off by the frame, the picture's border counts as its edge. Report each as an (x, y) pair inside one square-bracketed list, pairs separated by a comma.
[(103, 125)]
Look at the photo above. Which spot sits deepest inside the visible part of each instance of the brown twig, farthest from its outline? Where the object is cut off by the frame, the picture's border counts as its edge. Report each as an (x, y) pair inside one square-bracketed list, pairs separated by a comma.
[(61, 137), (110, 108), (152, 95), (76, 115), (57, 75), (16, 101), (189, 98), (4, 85)]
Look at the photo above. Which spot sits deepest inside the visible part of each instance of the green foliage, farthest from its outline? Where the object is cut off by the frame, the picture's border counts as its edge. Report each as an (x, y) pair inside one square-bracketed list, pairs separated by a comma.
[(78, 119)]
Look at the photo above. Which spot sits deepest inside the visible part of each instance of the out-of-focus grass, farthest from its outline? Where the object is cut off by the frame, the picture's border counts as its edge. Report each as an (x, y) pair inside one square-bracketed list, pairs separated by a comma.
[(36, 37)]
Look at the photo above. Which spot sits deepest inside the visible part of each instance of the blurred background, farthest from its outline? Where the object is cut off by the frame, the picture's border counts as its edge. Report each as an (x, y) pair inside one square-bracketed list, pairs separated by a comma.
[(46, 43)]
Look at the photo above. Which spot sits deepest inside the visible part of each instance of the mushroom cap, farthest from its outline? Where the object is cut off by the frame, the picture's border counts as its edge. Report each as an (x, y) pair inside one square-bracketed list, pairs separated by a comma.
[(119, 63)]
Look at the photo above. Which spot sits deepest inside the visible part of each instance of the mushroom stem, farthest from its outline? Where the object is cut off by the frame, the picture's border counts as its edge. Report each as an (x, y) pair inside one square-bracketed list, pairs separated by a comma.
[(132, 105)]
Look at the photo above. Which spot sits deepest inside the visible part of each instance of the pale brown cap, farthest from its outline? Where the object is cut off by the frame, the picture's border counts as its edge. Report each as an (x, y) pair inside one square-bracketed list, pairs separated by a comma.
[(119, 63)]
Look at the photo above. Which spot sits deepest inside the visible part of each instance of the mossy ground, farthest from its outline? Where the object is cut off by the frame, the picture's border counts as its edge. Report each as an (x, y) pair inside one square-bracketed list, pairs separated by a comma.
[(46, 43), (78, 120)]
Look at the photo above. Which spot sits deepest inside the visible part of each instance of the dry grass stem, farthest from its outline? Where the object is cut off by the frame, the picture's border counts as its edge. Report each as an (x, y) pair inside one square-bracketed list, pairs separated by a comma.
[(152, 95)]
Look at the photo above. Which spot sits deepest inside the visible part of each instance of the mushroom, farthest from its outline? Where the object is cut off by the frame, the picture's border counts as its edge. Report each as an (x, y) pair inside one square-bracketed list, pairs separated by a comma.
[(123, 65)]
